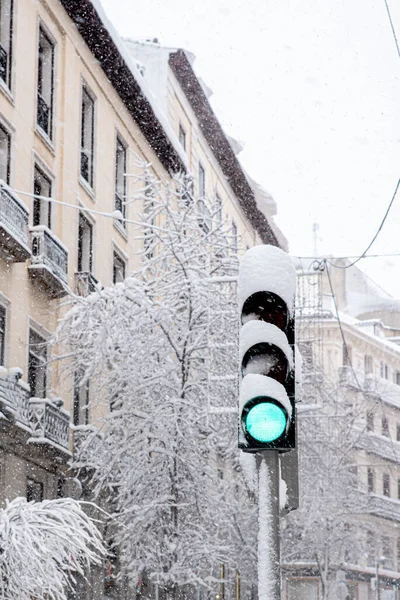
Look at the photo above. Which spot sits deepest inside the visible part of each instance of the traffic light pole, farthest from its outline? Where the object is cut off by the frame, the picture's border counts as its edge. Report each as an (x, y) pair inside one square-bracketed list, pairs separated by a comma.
[(269, 576)]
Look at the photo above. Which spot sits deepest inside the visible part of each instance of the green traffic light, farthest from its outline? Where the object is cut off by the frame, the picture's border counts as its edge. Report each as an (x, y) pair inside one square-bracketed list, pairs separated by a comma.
[(265, 422)]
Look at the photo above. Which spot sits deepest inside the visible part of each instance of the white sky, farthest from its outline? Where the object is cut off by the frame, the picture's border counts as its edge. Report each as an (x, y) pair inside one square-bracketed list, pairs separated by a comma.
[(313, 89)]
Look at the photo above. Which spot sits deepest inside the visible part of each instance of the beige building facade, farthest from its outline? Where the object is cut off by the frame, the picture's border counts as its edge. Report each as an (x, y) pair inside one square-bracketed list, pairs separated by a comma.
[(76, 112)]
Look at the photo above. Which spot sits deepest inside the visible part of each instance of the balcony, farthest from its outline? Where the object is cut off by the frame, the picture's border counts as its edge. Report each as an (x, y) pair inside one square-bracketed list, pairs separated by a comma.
[(86, 283), (379, 445), (49, 262), (14, 397), (14, 241), (87, 440), (49, 423)]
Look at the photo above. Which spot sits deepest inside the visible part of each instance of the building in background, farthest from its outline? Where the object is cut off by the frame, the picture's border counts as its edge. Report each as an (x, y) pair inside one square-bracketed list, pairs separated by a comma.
[(348, 331), (75, 113)]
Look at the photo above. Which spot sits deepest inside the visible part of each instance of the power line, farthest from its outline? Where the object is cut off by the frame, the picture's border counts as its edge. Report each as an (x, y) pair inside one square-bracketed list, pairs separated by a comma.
[(346, 257), (375, 236), (392, 27)]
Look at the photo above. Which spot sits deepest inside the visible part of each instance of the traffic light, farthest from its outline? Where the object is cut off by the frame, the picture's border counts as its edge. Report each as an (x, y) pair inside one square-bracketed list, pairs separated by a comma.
[(266, 291)]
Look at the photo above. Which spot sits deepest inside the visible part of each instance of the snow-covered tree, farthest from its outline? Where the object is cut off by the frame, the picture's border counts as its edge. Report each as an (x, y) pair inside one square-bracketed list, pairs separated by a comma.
[(167, 461), (44, 546), (327, 530)]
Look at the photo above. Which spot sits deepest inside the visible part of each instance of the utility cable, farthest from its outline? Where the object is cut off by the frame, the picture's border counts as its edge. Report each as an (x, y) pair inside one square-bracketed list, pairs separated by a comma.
[(375, 236), (392, 27)]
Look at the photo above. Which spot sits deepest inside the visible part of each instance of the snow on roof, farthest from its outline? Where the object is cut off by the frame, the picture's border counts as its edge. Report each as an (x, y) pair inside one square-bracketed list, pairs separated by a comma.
[(133, 67), (267, 268)]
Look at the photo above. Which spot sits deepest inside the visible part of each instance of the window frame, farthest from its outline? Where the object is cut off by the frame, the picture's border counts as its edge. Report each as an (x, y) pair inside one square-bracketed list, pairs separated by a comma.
[(39, 358), (89, 224), (3, 333), (385, 426), (80, 392), (37, 203), (386, 485), (86, 92), (118, 258), (201, 182), (39, 486), (7, 80), (49, 39), (234, 230), (7, 133), (182, 136), (370, 481), (118, 200)]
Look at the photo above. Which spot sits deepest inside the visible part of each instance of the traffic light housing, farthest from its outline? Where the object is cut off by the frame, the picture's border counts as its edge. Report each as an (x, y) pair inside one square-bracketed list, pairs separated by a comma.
[(266, 291)]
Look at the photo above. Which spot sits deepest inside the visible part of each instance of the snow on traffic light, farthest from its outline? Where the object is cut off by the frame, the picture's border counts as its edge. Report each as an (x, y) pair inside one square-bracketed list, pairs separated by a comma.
[(266, 292)]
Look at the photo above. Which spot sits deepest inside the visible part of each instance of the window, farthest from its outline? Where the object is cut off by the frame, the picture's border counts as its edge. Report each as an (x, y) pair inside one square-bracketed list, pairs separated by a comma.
[(353, 472), (81, 401), (398, 432), (234, 237), (218, 210), (387, 551), (87, 136), (371, 481), (41, 208), (60, 487), (398, 489), (182, 136), (2, 334), (385, 427), (45, 83), (5, 154), (118, 268), (85, 245), (149, 218), (370, 421), (397, 377), (120, 179), (347, 355), (37, 365), (368, 365), (386, 484), (381, 369), (202, 182), (387, 372), (6, 27), (204, 215), (34, 490)]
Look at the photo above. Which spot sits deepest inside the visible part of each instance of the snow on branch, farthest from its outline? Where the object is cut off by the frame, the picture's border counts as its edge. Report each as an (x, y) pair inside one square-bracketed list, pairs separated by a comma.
[(43, 546)]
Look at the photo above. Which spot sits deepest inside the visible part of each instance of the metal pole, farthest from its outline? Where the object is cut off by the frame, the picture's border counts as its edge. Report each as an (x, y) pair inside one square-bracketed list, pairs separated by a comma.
[(269, 587), (222, 584), (237, 583)]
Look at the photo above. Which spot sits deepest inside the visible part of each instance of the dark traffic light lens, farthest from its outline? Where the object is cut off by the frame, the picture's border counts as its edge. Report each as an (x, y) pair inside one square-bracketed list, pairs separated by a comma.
[(265, 422), (266, 359), (268, 307)]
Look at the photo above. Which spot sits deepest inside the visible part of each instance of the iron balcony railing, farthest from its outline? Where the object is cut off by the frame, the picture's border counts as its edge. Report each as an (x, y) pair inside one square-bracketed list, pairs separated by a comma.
[(47, 250), (14, 398), (49, 422), (14, 218)]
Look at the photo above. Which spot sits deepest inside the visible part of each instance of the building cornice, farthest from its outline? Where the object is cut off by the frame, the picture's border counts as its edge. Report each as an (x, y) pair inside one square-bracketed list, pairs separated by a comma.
[(219, 145), (101, 44)]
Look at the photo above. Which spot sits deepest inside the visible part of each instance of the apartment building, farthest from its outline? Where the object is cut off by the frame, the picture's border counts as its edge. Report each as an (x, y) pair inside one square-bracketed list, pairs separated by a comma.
[(75, 113), (356, 357)]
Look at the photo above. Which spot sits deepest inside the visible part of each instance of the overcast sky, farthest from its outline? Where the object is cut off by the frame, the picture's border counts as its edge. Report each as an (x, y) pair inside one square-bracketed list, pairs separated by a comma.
[(313, 90)]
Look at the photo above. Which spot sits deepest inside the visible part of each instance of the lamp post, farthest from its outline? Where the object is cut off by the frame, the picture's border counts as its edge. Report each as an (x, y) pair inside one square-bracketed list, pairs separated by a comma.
[(377, 563)]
